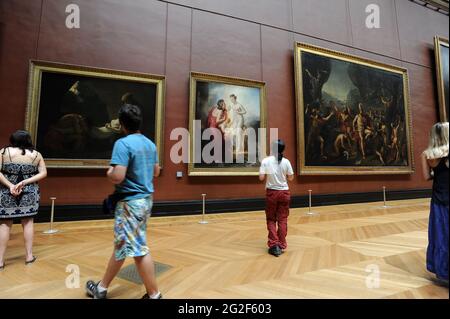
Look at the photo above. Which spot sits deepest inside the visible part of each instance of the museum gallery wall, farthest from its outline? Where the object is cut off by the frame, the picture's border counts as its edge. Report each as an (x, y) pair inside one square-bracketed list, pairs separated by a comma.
[(172, 41)]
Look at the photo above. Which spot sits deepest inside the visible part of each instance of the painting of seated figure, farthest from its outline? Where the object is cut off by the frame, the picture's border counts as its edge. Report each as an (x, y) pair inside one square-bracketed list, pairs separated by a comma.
[(73, 111), (227, 125)]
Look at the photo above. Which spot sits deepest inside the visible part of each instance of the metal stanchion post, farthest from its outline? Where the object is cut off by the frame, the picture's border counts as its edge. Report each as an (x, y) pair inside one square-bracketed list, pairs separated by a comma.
[(384, 197), (51, 230), (203, 221), (310, 212)]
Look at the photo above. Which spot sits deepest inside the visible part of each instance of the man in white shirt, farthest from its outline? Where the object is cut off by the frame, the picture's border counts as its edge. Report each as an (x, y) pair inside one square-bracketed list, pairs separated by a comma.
[(277, 171)]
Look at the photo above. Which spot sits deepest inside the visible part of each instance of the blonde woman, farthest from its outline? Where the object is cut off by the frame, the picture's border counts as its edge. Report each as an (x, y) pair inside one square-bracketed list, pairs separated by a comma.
[(436, 167)]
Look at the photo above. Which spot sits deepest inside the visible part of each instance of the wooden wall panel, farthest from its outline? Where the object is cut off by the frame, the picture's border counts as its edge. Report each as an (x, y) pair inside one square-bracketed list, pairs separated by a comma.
[(278, 71), (115, 34), (416, 27), (384, 40), (19, 29), (177, 95), (424, 106), (325, 19), (271, 12), (225, 46)]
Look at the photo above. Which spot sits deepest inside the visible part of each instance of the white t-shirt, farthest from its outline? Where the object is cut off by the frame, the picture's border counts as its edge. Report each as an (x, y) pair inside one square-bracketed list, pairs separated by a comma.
[(276, 173)]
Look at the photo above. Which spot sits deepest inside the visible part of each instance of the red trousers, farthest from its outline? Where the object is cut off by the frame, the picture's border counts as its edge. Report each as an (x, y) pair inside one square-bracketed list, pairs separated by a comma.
[(277, 213)]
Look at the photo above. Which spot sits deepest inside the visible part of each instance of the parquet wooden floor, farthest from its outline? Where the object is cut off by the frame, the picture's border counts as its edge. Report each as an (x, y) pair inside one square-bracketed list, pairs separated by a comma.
[(335, 254)]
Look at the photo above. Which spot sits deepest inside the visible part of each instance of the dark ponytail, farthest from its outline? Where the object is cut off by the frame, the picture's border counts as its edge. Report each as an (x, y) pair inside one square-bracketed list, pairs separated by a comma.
[(278, 148), (21, 139)]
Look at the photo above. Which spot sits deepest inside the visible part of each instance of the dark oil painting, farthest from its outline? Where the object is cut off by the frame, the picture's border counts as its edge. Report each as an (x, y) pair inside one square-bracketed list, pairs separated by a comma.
[(442, 64), (78, 115)]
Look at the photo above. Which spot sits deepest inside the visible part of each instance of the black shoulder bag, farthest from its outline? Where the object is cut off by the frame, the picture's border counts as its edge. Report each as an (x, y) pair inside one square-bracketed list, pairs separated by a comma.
[(110, 203)]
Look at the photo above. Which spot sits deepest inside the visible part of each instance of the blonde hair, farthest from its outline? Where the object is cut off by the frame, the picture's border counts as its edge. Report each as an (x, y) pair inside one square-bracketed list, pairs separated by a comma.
[(438, 145)]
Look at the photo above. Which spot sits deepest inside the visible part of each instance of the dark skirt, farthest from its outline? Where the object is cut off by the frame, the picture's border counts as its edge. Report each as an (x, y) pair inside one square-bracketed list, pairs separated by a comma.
[(437, 252), (27, 203), (24, 206)]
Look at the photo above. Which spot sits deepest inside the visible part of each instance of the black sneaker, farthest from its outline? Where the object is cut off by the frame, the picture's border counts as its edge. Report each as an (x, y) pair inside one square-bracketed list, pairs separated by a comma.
[(440, 281), (92, 290), (275, 251), (279, 251), (146, 296)]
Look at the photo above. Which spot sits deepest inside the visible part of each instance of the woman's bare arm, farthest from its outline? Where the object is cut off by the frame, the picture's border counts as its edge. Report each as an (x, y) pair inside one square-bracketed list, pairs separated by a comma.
[(3, 179), (42, 172), (426, 169), (262, 177), (156, 170)]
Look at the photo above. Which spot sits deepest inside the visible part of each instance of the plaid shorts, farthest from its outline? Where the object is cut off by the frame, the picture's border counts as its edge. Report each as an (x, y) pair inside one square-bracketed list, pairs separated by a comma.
[(130, 228)]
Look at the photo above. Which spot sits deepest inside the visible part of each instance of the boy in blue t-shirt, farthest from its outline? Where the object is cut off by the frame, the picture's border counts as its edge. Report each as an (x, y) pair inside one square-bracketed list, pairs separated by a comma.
[(134, 164)]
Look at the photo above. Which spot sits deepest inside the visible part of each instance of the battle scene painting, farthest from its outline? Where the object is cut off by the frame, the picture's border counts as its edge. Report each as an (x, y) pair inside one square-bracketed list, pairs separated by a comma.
[(354, 114)]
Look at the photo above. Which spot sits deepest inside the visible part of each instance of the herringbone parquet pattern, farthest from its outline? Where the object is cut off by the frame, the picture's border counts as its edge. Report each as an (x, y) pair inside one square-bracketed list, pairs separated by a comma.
[(329, 256)]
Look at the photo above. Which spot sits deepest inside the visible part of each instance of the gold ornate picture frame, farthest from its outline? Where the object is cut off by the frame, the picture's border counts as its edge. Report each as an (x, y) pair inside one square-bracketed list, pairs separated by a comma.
[(72, 111), (205, 92), (441, 50), (344, 99)]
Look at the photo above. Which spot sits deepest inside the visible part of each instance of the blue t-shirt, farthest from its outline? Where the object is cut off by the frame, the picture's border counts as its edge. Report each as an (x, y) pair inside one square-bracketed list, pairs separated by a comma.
[(139, 155)]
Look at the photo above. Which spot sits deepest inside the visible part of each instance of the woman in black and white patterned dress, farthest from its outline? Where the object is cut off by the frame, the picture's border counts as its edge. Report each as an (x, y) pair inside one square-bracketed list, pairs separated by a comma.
[(21, 168)]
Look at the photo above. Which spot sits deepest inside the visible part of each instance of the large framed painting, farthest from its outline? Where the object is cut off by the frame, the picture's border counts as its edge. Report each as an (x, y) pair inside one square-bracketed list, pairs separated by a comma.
[(72, 111), (442, 69), (227, 125), (353, 114)]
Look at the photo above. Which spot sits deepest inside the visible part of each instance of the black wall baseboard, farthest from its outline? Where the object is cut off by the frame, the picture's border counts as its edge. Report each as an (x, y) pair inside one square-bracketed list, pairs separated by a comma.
[(178, 208)]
